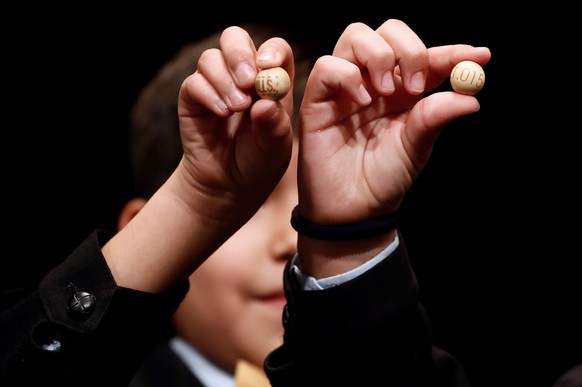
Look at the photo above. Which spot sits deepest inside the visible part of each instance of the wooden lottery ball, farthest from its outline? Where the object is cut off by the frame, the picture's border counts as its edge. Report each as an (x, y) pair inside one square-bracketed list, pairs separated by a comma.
[(273, 83), (467, 77)]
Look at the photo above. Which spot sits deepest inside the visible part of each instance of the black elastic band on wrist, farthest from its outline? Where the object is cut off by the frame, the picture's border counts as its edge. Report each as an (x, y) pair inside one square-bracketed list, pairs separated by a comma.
[(348, 231)]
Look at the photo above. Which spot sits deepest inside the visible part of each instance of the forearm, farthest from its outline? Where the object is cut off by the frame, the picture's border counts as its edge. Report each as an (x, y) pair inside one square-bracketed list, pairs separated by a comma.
[(170, 237)]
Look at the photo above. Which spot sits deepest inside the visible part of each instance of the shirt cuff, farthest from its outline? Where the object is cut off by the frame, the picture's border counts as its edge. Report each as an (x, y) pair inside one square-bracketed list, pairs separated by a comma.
[(307, 282)]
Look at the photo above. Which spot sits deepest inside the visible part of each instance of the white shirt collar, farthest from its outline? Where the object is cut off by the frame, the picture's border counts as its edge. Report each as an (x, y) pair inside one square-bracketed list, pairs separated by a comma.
[(209, 374)]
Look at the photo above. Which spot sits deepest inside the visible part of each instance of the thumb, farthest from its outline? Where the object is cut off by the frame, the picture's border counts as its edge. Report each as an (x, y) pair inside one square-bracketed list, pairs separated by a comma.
[(427, 119), (272, 126)]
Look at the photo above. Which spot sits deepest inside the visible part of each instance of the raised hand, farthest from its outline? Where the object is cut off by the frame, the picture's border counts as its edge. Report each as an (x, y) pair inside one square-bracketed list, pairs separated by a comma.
[(368, 124), (236, 146)]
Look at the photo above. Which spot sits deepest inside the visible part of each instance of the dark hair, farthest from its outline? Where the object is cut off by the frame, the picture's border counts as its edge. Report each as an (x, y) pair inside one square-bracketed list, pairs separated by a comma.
[(154, 142)]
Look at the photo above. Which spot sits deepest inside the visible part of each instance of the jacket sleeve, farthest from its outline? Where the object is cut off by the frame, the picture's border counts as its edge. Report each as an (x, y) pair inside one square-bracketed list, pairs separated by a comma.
[(370, 331), (79, 328)]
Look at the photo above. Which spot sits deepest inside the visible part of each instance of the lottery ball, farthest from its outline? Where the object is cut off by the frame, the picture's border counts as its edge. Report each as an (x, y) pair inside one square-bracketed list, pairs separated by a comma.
[(467, 77), (273, 83)]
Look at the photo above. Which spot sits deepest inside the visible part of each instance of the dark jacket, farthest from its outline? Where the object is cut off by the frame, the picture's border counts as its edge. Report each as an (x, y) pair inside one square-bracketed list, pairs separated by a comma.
[(164, 368), (370, 331)]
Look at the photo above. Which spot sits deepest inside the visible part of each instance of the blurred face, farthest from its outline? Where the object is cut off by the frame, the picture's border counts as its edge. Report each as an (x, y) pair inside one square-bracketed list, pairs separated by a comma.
[(234, 307)]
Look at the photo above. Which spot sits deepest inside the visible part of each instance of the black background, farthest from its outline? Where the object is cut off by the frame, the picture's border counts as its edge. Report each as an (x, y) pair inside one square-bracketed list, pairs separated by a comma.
[(490, 224)]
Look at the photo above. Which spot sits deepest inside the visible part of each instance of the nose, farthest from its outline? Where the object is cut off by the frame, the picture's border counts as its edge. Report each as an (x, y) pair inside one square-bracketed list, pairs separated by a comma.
[(284, 198), (284, 243), (283, 236), (287, 245)]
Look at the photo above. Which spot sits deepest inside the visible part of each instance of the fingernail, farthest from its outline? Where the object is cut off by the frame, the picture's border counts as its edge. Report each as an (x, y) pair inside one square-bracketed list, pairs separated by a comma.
[(267, 55), (236, 97), (417, 82), (244, 73), (364, 95), (388, 81), (221, 106)]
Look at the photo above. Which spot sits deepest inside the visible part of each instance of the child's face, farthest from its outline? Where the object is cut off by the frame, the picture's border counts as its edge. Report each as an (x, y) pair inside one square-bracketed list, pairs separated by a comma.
[(234, 307)]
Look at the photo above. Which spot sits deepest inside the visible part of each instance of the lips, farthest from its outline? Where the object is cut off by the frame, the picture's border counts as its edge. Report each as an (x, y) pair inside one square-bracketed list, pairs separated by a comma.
[(276, 301)]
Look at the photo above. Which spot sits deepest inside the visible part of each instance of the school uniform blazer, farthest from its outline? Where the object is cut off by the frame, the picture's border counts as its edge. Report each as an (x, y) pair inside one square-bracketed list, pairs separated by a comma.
[(370, 331), (78, 328), (164, 368)]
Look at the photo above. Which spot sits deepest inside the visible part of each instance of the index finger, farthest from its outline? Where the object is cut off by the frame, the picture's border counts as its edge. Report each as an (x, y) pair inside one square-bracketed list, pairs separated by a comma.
[(364, 47), (392, 49), (239, 54), (411, 54)]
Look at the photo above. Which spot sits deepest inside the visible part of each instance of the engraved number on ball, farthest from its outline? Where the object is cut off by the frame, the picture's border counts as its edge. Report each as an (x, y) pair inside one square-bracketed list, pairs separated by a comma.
[(273, 83), (467, 77)]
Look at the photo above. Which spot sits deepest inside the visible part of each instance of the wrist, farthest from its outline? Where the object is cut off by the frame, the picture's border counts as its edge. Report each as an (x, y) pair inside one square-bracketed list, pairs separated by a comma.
[(340, 232), (322, 258)]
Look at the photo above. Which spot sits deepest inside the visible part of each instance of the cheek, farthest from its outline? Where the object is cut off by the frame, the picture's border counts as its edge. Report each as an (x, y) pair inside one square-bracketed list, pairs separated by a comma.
[(228, 280), (236, 253), (219, 274), (216, 294), (230, 270)]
